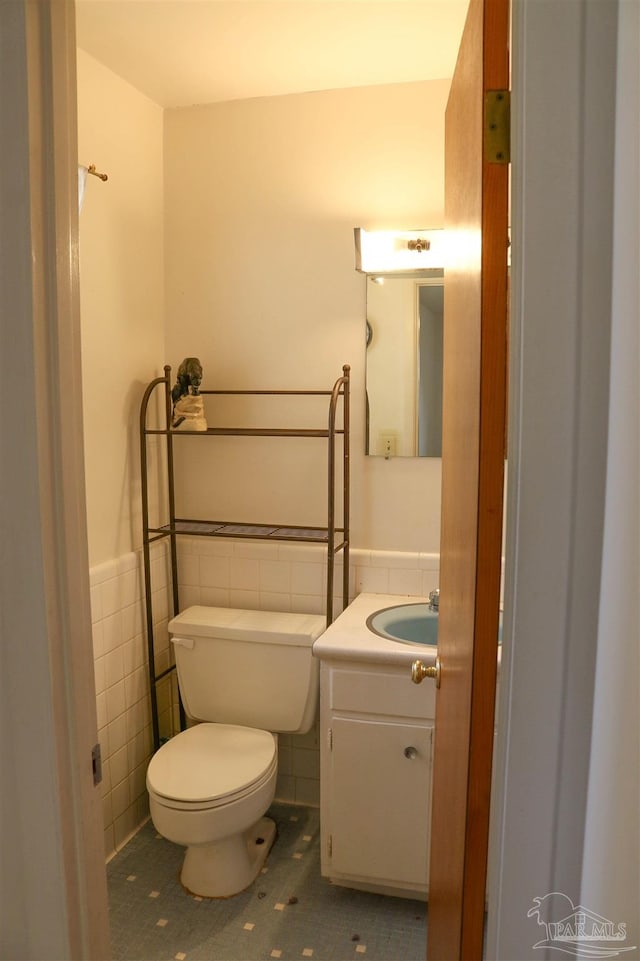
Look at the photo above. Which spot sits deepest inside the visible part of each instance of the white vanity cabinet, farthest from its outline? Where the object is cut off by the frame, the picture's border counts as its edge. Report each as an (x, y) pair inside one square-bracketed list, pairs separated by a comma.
[(376, 759)]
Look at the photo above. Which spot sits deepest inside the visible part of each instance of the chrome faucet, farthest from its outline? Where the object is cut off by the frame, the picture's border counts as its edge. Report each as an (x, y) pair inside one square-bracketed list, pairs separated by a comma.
[(434, 600)]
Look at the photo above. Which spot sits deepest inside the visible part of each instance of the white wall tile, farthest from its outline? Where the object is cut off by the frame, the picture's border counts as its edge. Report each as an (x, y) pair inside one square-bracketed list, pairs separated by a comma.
[(309, 740), (302, 553), (115, 701), (97, 632), (114, 666), (306, 764), (138, 750), (214, 572), (118, 763), (190, 596), (285, 759), (244, 600), (274, 602), (308, 603), (101, 709), (215, 597), (105, 785), (135, 685), (110, 591), (212, 546), (160, 605), (99, 674), (112, 632), (285, 787), (130, 586), (125, 825), (274, 576), (307, 791), (107, 810), (430, 581), (394, 559), (372, 580), (131, 618), (129, 562), (189, 569), (138, 780), (307, 578), (130, 656), (103, 572), (405, 581), (244, 574), (109, 839), (96, 603), (120, 798), (256, 549), (117, 733)]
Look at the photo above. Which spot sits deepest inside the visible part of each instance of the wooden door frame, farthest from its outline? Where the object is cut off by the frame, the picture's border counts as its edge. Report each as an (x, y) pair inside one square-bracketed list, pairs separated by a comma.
[(563, 174), (55, 902)]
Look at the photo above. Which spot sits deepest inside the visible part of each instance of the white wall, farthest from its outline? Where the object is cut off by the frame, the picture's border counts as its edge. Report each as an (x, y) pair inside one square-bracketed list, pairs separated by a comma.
[(261, 200), (122, 299), (122, 318)]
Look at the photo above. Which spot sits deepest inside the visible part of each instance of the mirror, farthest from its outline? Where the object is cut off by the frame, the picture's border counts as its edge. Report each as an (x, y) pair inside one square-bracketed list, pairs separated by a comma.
[(404, 332)]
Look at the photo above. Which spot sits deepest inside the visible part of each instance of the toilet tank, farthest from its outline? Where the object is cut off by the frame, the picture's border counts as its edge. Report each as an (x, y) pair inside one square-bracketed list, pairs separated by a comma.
[(253, 668)]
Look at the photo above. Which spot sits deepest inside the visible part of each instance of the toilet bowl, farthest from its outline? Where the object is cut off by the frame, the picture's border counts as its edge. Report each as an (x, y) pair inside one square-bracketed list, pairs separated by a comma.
[(211, 785), (209, 788)]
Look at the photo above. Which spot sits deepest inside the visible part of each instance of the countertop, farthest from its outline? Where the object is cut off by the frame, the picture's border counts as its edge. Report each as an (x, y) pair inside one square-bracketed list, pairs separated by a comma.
[(349, 638)]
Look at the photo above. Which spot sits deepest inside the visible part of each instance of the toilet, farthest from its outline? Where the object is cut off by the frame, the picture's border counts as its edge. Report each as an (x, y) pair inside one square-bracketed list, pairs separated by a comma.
[(244, 677)]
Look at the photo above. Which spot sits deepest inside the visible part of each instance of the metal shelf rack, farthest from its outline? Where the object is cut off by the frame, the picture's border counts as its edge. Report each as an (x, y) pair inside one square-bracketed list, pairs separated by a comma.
[(336, 538)]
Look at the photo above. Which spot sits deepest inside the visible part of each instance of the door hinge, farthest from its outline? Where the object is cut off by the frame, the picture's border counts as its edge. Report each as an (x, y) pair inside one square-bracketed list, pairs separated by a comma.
[(330, 845), (96, 764), (497, 126), (330, 738)]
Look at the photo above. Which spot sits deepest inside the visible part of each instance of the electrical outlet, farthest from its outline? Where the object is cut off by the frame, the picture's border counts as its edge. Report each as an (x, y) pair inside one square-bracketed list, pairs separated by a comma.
[(387, 441)]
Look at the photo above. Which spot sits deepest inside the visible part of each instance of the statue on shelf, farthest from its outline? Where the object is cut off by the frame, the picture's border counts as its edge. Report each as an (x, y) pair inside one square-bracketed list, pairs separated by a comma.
[(188, 405)]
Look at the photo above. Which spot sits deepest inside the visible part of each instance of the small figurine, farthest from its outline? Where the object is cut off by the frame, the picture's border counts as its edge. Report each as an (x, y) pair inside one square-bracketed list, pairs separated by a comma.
[(189, 376), (188, 406)]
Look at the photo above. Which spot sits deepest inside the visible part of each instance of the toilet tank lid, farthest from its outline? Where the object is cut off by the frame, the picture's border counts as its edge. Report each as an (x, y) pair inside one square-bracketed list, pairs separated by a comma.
[(228, 622)]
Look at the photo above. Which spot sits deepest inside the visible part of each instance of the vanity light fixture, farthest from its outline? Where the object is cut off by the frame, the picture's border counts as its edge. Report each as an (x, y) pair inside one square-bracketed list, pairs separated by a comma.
[(398, 251)]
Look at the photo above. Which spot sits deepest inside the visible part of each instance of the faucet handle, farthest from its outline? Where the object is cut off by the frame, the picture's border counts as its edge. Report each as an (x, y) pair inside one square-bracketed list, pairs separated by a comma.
[(434, 599)]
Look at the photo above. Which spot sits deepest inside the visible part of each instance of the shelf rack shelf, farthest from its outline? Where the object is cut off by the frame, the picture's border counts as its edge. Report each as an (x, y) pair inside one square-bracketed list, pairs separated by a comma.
[(335, 538)]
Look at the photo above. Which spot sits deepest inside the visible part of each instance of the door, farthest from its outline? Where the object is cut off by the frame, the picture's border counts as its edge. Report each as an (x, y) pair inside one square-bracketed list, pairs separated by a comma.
[(476, 200)]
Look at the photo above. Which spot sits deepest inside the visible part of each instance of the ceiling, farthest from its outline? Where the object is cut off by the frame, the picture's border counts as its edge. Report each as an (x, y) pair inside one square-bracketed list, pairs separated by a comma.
[(184, 52)]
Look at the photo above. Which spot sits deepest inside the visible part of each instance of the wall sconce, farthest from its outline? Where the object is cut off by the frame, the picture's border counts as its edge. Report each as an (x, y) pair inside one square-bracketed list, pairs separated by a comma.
[(398, 251)]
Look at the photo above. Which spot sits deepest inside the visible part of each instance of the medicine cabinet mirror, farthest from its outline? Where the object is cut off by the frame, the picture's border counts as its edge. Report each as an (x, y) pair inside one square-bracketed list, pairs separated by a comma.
[(404, 332)]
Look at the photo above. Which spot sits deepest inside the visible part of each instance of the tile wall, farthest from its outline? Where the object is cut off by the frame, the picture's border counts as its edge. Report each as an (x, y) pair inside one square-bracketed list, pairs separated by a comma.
[(218, 572)]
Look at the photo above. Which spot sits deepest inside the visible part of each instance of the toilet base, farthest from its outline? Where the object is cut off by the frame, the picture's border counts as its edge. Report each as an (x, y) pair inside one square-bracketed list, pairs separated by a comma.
[(228, 866)]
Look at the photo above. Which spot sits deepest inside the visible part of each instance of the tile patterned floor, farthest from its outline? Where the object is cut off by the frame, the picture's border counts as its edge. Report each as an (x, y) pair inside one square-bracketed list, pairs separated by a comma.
[(290, 912)]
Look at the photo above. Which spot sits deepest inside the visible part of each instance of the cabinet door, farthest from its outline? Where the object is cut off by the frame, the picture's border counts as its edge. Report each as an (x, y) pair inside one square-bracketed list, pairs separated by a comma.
[(380, 774)]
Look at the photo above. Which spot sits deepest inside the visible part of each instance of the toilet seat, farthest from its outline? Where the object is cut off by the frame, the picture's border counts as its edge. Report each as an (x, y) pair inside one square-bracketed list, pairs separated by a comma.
[(210, 765)]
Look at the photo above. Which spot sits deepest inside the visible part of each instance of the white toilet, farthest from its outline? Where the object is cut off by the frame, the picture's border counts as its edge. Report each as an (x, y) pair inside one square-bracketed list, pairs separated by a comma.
[(246, 675)]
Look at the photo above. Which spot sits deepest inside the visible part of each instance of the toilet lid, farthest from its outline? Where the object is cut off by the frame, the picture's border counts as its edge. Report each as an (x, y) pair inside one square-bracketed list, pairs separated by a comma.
[(211, 761)]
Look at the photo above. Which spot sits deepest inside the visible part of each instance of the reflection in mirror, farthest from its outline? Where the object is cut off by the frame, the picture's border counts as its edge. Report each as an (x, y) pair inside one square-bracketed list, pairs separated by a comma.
[(404, 365)]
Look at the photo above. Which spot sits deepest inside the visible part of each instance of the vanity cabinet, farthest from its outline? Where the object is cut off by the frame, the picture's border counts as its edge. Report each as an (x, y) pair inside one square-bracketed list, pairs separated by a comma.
[(376, 763)]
